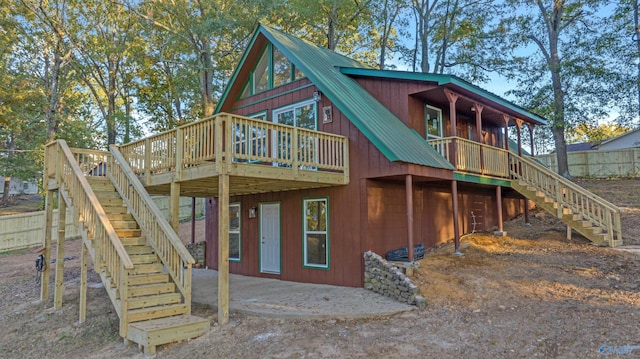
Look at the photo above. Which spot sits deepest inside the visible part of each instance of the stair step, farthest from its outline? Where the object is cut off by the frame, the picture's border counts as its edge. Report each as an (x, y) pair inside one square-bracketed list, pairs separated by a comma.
[(103, 195), (133, 241), (115, 209), (154, 300), (109, 202), (124, 224), (120, 217), (152, 333), (137, 315), (142, 249), (144, 258), (128, 233), (549, 200), (146, 268), (144, 279), (595, 230), (151, 289)]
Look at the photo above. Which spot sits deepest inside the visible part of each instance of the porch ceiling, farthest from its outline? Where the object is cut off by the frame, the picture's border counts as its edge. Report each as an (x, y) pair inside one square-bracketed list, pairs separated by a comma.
[(491, 114)]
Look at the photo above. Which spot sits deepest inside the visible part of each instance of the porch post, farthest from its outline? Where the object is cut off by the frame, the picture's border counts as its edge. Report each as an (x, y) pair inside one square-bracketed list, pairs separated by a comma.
[(500, 231), (478, 108), (193, 220), (456, 229), (223, 249), (453, 123), (174, 205), (518, 127), (519, 124), (62, 211), (506, 131), (409, 194)]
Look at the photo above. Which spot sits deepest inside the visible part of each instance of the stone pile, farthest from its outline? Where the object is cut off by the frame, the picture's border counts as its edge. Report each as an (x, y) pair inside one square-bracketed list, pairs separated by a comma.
[(387, 279), (197, 251)]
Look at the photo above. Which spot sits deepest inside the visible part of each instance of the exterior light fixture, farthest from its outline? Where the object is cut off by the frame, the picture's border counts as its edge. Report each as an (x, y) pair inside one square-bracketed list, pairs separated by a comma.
[(317, 96)]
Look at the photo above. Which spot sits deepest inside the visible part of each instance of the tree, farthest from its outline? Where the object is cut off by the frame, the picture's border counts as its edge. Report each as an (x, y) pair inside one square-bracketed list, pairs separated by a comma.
[(585, 132), (562, 67)]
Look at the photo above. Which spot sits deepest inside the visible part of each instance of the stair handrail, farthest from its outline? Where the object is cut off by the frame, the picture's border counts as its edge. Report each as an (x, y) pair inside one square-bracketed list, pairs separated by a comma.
[(526, 169), (108, 252), (166, 243)]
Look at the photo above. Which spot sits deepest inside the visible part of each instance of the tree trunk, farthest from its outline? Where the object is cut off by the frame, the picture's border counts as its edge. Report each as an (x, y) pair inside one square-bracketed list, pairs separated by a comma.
[(206, 79), (331, 30), (5, 194)]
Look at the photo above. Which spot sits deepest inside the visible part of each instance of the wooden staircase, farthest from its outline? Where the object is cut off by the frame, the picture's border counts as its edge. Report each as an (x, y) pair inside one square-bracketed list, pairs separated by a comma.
[(146, 276), (591, 216)]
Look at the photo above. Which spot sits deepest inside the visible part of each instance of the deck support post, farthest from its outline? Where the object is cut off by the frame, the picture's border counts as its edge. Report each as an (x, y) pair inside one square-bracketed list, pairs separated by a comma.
[(456, 228), (193, 220), (223, 249), (48, 215), (62, 211), (174, 205), (409, 195), (500, 231), (82, 315)]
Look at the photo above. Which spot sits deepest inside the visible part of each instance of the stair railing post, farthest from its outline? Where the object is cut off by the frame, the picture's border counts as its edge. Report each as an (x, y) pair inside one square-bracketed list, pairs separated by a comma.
[(147, 161), (559, 199), (124, 299), (618, 226), (610, 236)]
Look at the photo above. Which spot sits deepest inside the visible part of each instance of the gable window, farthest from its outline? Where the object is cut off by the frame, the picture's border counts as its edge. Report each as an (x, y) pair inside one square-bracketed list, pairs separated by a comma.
[(316, 235), (433, 122), (234, 232), (272, 69)]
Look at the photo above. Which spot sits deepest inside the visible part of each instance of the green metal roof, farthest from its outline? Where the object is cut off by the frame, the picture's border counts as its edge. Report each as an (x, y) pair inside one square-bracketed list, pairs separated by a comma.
[(392, 137), (442, 80)]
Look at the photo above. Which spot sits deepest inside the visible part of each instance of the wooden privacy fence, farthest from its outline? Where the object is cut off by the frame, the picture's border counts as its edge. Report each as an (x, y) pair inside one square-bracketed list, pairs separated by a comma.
[(26, 230), (598, 164)]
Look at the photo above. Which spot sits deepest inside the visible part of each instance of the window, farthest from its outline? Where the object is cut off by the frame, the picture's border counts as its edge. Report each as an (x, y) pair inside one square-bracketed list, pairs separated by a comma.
[(261, 73), (316, 236), (273, 69), (234, 232), (433, 121), (250, 140), (301, 115)]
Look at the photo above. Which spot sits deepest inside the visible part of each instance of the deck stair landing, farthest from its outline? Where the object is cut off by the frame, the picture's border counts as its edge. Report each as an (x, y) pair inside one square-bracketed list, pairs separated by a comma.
[(151, 294), (591, 216)]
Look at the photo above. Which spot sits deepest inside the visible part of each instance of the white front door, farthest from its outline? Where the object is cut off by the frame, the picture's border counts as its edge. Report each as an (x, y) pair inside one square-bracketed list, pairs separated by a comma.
[(269, 237)]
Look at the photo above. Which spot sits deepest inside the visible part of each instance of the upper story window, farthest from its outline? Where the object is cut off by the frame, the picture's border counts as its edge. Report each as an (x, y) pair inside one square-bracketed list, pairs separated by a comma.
[(273, 69), (433, 122)]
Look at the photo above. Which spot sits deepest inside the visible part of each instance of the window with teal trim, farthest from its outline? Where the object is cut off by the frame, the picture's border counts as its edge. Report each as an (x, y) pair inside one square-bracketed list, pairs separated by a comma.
[(234, 232), (273, 69), (316, 235)]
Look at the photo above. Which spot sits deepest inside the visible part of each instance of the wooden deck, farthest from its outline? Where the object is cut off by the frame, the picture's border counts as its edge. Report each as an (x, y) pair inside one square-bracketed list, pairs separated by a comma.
[(258, 156)]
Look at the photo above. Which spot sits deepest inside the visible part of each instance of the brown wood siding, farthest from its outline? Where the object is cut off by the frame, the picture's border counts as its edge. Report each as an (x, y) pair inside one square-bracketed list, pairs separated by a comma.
[(365, 214)]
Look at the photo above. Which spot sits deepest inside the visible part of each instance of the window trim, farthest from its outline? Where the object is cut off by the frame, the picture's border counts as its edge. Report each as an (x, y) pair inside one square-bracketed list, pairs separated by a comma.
[(326, 233), (239, 259), (429, 136)]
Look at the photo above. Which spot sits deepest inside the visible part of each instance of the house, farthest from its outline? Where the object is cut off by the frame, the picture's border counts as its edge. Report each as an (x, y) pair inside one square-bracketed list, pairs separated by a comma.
[(401, 189), (630, 139), (310, 160)]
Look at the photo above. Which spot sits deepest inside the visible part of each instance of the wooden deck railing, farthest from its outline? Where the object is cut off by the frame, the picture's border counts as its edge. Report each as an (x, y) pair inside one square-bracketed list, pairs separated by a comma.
[(108, 252), (473, 157), (166, 243), (226, 138), (568, 195)]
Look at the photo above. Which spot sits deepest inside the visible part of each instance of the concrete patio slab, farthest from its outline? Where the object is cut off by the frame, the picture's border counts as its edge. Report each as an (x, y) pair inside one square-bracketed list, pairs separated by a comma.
[(282, 299)]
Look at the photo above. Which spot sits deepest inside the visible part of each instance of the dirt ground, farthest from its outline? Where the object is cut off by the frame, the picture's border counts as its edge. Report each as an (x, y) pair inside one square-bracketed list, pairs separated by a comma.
[(533, 294)]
